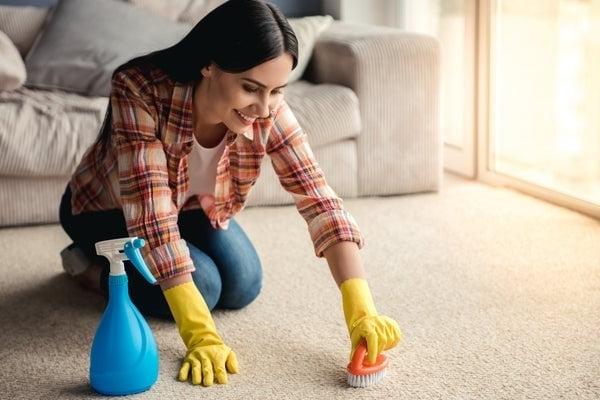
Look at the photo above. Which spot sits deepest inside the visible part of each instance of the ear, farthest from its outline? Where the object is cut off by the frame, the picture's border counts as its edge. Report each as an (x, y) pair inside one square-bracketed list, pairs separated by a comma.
[(209, 70)]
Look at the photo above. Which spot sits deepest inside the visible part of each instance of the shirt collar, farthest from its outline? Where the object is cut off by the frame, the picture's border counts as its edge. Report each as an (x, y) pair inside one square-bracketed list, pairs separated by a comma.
[(249, 133)]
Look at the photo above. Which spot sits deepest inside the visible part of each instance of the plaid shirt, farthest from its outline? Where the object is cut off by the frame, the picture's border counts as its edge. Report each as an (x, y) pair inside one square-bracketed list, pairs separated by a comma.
[(151, 136)]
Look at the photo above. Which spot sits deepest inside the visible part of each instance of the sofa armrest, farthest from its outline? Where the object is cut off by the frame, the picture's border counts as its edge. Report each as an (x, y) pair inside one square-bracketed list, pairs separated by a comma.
[(396, 77)]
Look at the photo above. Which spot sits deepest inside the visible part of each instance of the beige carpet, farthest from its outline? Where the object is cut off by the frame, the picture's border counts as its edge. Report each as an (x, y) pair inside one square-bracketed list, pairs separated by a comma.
[(497, 293)]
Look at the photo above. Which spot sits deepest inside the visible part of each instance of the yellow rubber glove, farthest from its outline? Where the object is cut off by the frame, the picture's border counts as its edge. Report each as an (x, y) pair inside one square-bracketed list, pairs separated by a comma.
[(380, 332), (207, 355)]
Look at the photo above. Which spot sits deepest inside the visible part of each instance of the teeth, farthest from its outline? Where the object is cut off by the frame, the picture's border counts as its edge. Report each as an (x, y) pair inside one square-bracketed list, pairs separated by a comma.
[(245, 117)]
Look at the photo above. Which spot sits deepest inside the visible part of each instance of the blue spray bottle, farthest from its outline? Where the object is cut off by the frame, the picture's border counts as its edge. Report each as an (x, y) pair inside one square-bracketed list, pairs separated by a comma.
[(124, 357)]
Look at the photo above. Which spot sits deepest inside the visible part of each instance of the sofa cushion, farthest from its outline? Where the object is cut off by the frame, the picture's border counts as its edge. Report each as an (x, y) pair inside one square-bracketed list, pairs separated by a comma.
[(197, 9), (85, 40), (187, 11), (22, 25), (45, 133), (307, 30), (12, 69), (327, 113), (168, 9)]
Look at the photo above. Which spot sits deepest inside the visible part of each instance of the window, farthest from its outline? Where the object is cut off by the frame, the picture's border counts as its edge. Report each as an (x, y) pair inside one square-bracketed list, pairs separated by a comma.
[(545, 94)]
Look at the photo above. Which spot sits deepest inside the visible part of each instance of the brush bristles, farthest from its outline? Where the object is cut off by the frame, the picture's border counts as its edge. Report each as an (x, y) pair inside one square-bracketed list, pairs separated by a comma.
[(365, 380)]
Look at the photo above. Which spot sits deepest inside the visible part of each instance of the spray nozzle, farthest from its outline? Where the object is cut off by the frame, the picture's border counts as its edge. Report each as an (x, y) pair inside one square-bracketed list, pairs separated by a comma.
[(117, 250)]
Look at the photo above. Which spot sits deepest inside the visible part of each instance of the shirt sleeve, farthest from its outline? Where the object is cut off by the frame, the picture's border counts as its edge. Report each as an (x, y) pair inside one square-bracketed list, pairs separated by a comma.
[(302, 177), (143, 179)]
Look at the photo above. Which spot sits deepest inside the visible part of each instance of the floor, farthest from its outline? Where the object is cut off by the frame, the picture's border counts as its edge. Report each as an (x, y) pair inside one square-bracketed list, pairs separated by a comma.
[(497, 295)]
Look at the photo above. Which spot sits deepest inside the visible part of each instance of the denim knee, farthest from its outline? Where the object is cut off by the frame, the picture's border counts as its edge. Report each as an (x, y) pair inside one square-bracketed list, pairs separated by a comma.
[(206, 276), (242, 286)]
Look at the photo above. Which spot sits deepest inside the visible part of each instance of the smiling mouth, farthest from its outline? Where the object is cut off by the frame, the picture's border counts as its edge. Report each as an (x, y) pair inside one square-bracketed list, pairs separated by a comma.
[(244, 117)]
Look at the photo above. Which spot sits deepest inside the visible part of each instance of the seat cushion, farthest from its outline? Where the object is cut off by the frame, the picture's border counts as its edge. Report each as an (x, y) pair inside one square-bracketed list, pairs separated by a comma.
[(44, 133), (338, 162), (35, 200), (327, 113), (25, 200)]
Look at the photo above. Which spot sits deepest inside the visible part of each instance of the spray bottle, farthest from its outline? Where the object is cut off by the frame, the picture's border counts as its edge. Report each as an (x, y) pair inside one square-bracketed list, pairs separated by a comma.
[(124, 358)]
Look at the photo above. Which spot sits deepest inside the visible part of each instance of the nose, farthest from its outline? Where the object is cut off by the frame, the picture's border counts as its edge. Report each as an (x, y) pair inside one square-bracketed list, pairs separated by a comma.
[(263, 109)]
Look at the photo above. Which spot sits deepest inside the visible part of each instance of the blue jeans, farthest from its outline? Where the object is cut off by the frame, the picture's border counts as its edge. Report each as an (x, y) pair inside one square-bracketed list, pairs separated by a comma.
[(228, 270)]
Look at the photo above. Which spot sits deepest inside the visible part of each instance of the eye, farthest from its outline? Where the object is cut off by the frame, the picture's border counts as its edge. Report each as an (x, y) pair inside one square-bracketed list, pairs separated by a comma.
[(250, 89)]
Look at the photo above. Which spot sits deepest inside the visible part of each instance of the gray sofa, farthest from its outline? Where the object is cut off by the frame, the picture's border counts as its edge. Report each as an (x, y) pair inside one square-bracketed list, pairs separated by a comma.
[(368, 101)]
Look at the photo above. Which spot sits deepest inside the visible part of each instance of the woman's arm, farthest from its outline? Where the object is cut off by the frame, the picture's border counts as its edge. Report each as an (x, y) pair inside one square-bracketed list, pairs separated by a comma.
[(333, 230), (362, 319), (344, 261), (176, 280), (302, 177), (145, 193)]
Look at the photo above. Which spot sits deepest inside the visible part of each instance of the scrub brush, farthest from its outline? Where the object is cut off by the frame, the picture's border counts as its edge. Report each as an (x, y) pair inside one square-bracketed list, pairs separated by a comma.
[(361, 373)]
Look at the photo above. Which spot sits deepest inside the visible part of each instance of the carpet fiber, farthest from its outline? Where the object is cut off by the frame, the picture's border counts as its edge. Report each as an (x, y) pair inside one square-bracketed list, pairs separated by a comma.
[(497, 295)]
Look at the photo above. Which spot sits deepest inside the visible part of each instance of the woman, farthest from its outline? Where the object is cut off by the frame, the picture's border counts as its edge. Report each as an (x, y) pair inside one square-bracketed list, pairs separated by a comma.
[(183, 139)]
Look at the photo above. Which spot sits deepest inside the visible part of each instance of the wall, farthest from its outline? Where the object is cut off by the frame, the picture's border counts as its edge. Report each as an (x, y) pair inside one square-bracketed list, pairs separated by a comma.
[(291, 8)]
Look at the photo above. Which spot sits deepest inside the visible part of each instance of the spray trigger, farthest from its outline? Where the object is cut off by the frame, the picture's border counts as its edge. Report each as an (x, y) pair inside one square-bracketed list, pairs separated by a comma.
[(131, 250)]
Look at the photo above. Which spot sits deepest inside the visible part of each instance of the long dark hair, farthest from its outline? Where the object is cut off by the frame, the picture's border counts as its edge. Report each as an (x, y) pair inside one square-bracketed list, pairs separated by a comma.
[(237, 36)]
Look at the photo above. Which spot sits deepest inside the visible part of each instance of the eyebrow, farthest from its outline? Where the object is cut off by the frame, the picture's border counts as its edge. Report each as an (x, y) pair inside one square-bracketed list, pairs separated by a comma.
[(262, 85)]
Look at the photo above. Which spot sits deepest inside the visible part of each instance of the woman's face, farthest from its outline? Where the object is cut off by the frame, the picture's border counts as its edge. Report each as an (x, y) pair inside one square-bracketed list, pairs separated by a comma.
[(236, 100)]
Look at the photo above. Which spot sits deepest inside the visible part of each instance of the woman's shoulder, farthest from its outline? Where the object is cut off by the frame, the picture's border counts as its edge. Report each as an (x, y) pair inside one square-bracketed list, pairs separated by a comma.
[(145, 77)]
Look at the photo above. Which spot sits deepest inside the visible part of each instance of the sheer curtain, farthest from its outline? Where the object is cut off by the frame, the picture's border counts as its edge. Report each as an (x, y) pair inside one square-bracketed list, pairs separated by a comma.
[(545, 123), (520, 89)]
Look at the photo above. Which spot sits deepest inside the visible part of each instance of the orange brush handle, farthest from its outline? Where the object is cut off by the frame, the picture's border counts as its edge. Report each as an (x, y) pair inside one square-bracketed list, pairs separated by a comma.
[(360, 364)]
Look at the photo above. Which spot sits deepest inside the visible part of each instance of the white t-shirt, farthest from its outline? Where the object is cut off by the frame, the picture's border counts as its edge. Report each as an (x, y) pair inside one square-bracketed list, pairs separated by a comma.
[(202, 168)]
